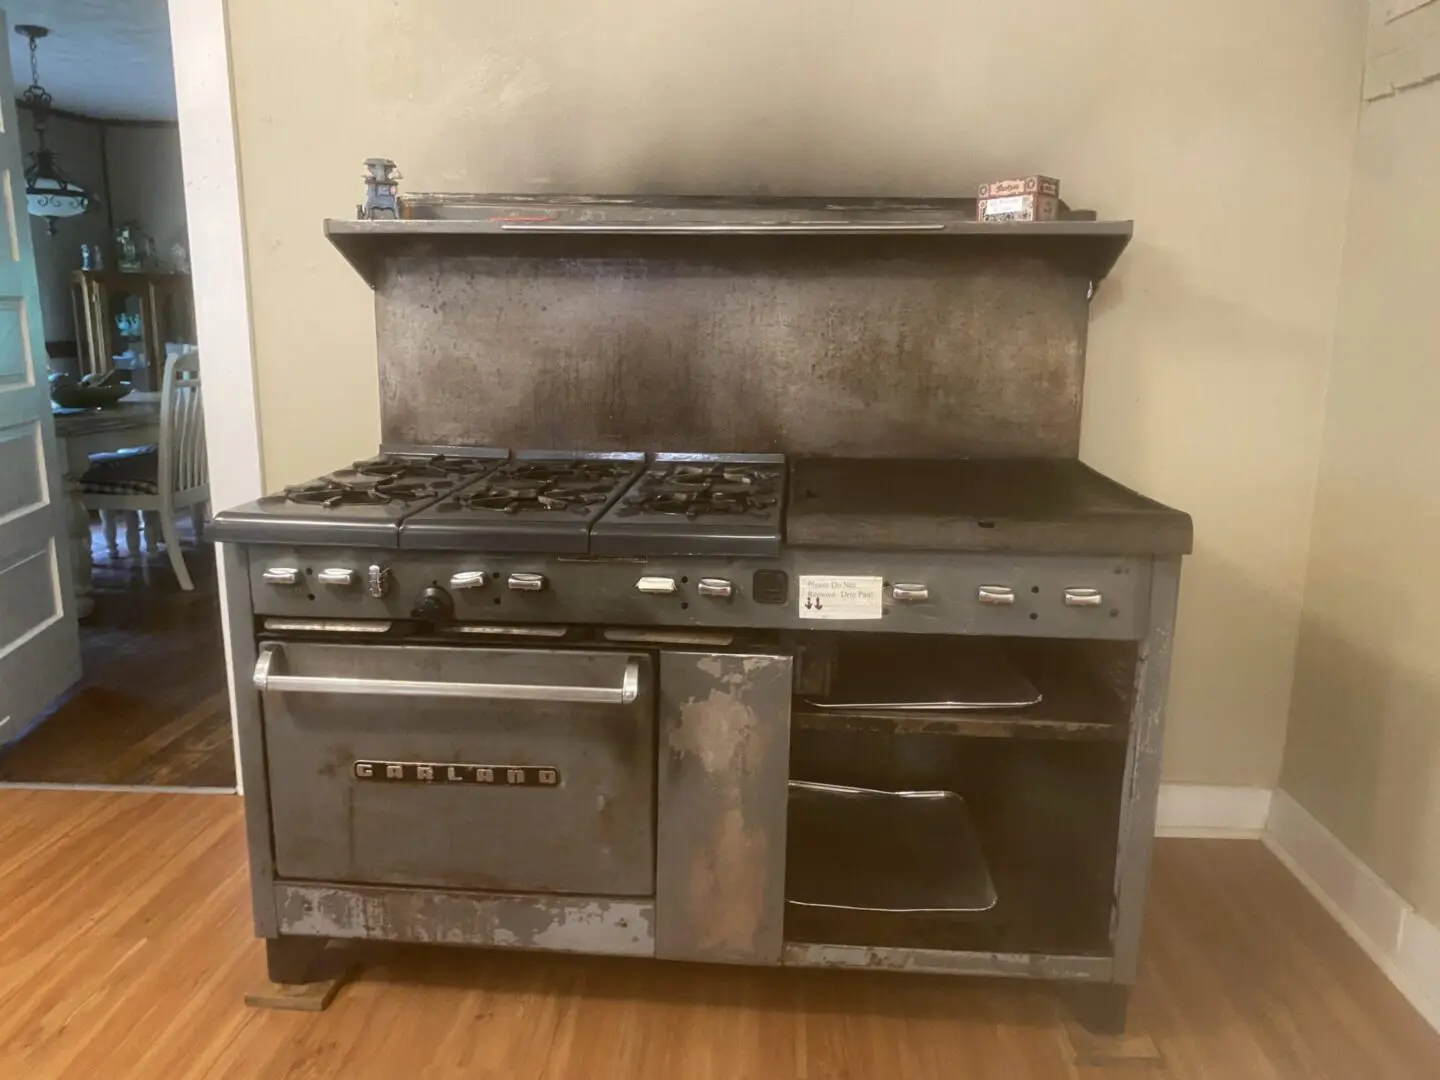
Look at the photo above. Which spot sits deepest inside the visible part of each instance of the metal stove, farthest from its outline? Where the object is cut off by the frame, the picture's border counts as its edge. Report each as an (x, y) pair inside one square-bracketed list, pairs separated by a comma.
[(557, 698)]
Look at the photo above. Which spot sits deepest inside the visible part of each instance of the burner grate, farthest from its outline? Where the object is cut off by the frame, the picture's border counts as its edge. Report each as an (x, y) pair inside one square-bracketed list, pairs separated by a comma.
[(331, 493), (704, 490), (437, 467), (543, 486)]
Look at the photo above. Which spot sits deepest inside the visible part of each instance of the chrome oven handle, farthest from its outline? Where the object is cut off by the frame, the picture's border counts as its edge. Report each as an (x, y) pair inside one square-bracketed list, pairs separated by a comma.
[(268, 680)]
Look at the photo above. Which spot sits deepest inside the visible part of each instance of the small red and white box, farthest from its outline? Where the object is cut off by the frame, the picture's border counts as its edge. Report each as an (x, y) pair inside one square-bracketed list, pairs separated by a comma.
[(1030, 198)]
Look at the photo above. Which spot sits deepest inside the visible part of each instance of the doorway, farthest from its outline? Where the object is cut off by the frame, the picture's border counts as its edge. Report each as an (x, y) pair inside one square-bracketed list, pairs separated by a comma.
[(116, 302)]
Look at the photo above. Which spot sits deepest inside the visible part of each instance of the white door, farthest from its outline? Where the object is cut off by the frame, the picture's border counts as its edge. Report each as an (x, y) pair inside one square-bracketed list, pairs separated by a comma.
[(39, 643)]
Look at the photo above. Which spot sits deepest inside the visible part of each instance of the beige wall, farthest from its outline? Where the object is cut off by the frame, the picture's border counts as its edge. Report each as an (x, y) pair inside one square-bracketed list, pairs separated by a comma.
[(1224, 129), (1364, 749), (147, 184)]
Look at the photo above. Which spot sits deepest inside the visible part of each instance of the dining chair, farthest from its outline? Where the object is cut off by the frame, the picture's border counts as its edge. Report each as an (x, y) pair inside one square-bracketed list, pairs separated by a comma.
[(172, 476)]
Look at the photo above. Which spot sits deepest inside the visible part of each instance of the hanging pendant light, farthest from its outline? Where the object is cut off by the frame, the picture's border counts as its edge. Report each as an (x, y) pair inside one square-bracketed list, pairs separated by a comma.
[(49, 193)]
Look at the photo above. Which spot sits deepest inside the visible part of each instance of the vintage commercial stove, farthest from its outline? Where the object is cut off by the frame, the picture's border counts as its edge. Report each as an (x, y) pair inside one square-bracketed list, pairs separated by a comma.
[(725, 589)]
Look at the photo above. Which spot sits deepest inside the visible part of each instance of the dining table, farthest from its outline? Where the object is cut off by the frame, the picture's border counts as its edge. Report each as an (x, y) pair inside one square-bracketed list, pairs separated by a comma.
[(132, 421)]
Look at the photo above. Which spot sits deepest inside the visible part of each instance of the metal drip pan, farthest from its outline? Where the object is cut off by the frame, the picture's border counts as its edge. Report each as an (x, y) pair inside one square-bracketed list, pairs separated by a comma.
[(857, 849), (954, 682)]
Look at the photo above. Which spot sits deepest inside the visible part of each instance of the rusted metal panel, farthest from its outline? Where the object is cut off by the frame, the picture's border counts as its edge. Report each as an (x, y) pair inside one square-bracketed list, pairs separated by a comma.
[(722, 799), (941, 962), (1142, 770), (763, 347), (428, 916), (255, 779)]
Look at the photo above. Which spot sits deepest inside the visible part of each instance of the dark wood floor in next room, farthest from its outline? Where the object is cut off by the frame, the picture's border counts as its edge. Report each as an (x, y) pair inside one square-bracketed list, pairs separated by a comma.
[(151, 707), (125, 952)]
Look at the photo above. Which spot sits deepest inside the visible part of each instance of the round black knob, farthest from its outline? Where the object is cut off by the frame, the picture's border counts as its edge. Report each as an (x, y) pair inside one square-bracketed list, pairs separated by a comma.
[(434, 605)]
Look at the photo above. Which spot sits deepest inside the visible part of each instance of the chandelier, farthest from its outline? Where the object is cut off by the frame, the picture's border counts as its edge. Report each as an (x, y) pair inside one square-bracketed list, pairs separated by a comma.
[(49, 193)]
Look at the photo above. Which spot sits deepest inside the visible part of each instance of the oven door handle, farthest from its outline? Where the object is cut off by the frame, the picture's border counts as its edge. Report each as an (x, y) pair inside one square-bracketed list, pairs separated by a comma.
[(268, 680)]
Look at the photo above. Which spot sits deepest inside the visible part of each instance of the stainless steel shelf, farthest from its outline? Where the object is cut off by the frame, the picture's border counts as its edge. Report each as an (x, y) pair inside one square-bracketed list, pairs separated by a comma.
[(1089, 247)]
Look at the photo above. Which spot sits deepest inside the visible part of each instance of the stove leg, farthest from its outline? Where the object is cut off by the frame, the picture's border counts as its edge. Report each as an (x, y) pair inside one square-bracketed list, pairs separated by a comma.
[(1100, 1008), (290, 959)]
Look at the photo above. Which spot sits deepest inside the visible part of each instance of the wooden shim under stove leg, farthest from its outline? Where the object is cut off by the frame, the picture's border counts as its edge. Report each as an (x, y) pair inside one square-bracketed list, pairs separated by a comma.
[(312, 972), (1094, 1020)]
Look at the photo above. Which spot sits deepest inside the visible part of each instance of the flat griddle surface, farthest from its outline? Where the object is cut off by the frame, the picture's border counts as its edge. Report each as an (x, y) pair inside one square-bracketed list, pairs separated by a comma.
[(1027, 505)]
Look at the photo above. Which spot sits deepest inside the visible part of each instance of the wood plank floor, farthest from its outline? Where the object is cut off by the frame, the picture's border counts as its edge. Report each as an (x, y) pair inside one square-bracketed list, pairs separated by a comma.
[(151, 707), (125, 951)]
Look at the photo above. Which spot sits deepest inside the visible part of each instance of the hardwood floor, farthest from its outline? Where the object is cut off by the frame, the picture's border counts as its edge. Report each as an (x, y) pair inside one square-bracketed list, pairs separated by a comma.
[(125, 951), (151, 707)]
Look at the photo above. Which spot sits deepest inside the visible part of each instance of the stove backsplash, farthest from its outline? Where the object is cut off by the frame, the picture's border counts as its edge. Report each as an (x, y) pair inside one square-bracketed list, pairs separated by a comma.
[(755, 347)]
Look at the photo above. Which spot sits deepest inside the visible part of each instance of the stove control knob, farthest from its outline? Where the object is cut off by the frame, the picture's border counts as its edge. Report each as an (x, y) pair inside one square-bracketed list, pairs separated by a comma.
[(281, 575), (468, 579), (377, 581), (910, 592), (434, 605), (337, 575), (717, 587), (1002, 595), (526, 582), (657, 586), (1083, 598)]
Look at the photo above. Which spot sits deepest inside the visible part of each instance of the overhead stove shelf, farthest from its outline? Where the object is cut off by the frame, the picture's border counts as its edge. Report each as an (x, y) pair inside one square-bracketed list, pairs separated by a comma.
[(579, 226)]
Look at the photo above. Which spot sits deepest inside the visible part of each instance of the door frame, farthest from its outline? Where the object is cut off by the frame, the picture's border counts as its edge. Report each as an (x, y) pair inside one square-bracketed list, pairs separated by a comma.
[(209, 156)]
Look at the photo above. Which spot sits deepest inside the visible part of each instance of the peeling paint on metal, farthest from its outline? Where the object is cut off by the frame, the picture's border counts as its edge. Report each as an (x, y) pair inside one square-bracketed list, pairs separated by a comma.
[(938, 962), (727, 884), (562, 924), (714, 730), (725, 758)]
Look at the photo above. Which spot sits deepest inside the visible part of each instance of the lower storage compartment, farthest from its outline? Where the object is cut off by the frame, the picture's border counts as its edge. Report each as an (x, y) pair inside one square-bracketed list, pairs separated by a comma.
[(905, 851), (1045, 817)]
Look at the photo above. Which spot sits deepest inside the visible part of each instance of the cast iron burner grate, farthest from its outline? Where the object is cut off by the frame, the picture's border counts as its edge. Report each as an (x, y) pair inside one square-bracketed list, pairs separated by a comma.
[(331, 493), (545, 486), (390, 467), (694, 491)]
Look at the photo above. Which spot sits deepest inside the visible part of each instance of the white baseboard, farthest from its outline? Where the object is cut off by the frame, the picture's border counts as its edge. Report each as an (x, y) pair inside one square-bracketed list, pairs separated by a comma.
[(1403, 943), (1212, 811)]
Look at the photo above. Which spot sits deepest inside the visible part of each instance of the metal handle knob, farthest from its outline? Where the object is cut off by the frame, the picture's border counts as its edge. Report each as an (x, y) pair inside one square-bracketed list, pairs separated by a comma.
[(526, 582), (910, 592), (377, 581), (996, 594), (1083, 598), (337, 575), (716, 586), (468, 579), (657, 586), (434, 604), (281, 575)]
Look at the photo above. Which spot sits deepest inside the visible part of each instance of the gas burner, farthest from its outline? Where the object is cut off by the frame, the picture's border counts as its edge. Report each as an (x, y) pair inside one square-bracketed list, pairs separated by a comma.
[(701, 490), (387, 467), (698, 504), (575, 496), (701, 477), (543, 486), (567, 472), (331, 493)]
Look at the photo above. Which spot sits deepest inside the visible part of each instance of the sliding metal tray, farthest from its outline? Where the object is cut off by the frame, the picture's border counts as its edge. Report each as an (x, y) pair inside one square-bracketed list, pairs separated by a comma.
[(912, 681), (857, 849)]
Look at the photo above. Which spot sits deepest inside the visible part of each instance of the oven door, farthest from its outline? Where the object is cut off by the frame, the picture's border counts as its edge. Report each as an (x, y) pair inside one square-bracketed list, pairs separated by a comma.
[(518, 770)]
